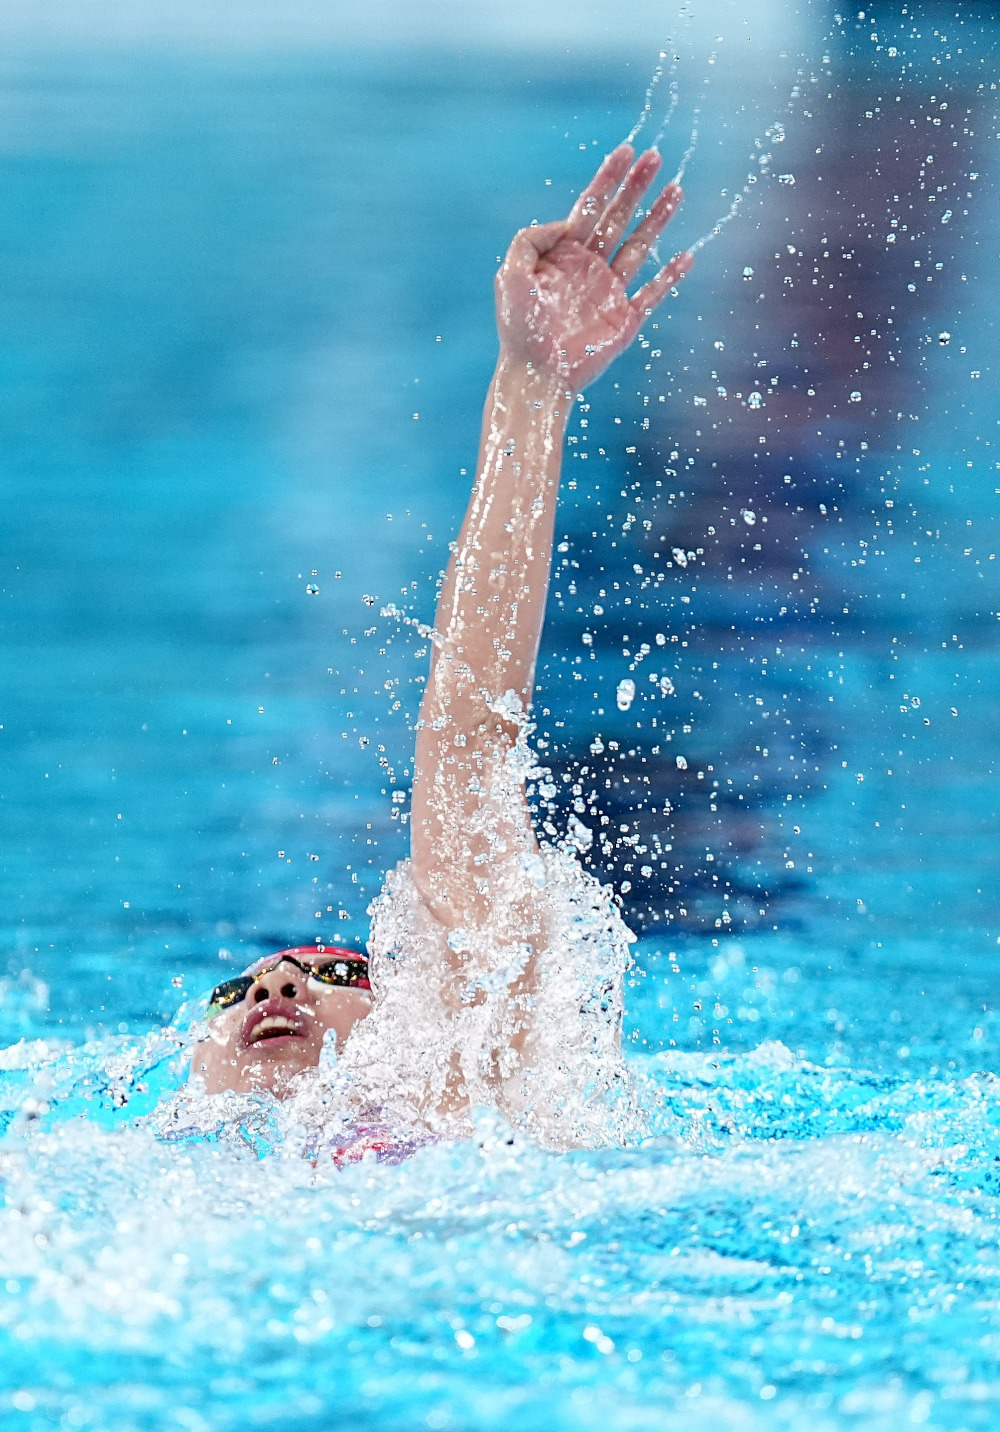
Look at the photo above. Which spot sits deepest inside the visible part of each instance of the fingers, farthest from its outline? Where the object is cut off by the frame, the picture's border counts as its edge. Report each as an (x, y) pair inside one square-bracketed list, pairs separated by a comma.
[(657, 289), (621, 210), (589, 209), (528, 245), (632, 254)]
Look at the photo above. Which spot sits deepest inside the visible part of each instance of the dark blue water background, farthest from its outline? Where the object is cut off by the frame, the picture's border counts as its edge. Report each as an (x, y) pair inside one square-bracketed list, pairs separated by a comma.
[(246, 325)]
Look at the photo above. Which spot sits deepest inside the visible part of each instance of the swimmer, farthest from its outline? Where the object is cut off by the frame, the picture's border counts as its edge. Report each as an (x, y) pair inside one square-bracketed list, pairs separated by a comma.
[(563, 315)]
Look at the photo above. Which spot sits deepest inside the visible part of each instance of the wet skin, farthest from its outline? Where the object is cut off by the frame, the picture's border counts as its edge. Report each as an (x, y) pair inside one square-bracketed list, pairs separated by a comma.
[(564, 312), (276, 1033)]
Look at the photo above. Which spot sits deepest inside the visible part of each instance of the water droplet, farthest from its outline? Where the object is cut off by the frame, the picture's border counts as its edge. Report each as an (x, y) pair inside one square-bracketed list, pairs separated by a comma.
[(312, 589), (855, 396), (719, 344), (368, 601), (625, 694), (747, 274), (755, 401), (944, 339), (682, 764), (748, 517)]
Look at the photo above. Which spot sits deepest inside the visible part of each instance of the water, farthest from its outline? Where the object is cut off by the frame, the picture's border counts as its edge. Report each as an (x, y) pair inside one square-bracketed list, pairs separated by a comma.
[(217, 332)]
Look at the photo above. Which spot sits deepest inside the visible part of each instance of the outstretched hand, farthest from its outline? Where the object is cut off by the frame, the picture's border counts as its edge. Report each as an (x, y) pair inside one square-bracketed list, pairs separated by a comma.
[(562, 297)]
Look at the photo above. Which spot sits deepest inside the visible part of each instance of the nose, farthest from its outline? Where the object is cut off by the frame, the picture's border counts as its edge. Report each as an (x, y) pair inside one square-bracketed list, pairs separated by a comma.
[(274, 982)]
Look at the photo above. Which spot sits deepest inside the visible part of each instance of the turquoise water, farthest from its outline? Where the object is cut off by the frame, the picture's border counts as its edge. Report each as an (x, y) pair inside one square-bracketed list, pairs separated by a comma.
[(223, 305)]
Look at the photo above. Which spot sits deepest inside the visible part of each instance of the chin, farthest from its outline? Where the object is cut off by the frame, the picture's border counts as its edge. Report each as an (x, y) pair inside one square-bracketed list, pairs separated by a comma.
[(245, 1069), (274, 1070)]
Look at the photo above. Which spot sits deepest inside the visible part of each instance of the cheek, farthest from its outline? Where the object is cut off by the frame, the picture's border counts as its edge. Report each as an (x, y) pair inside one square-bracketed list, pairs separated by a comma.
[(223, 1030)]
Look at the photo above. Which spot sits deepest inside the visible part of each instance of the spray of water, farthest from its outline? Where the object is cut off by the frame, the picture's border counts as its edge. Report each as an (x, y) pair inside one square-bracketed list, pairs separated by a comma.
[(759, 162), (522, 1014), (647, 107), (760, 168)]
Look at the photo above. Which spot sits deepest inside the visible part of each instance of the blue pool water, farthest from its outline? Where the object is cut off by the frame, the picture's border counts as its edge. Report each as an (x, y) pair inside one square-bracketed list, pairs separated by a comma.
[(233, 356)]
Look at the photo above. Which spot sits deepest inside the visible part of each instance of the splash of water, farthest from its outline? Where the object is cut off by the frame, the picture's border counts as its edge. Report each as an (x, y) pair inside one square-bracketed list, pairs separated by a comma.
[(526, 1020)]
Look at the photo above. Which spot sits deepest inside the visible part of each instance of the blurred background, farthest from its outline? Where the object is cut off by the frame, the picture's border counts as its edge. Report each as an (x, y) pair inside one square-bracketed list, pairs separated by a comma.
[(245, 333)]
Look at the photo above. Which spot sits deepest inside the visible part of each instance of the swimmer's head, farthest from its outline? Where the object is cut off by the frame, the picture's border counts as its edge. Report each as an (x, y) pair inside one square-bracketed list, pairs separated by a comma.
[(267, 1026)]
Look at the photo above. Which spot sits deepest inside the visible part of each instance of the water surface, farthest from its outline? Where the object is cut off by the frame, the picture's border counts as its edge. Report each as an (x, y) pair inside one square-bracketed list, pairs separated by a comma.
[(234, 356)]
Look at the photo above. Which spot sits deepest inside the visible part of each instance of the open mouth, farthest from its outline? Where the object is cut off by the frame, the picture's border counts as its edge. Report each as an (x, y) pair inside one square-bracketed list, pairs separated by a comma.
[(274, 1026)]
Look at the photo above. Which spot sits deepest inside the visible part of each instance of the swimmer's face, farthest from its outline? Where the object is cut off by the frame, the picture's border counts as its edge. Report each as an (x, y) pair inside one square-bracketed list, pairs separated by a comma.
[(276, 1032)]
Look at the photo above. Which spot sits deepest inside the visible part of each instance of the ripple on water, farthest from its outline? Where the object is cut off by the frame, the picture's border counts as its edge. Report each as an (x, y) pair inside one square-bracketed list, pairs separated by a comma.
[(796, 1245)]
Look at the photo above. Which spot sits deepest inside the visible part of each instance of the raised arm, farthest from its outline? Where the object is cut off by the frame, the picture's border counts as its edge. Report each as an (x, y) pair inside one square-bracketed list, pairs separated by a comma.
[(563, 314)]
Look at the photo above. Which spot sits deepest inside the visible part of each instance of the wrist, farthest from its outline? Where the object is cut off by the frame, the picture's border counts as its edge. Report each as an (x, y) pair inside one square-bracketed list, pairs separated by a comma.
[(524, 389)]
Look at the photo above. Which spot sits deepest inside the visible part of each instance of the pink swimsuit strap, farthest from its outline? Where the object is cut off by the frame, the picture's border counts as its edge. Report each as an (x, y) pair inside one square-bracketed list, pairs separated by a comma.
[(381, 1142)]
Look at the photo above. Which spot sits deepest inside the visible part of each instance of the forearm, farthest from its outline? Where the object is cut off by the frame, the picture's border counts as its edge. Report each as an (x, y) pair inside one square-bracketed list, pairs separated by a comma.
[(563, 313), (487, 632), (492, 604)]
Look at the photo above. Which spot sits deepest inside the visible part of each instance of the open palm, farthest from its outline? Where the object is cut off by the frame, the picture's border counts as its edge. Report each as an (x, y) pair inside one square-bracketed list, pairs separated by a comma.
[(562, 297)]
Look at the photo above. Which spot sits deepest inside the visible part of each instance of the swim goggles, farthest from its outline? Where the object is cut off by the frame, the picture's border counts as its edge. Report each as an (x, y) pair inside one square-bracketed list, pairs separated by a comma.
[(332, 965)]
